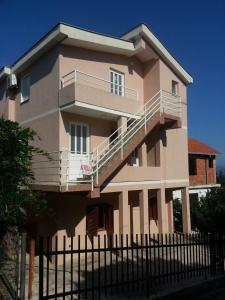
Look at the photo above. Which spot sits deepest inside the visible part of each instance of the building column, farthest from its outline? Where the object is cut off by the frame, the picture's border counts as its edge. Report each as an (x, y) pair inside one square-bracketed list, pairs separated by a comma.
[(169, 201), (122, 121), (124, 213), (142, 153), (162, 211), (186, 210), (144, 217)]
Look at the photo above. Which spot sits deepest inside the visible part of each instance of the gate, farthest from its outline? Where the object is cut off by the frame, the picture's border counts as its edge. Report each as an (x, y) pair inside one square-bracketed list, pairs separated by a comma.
[(104, 266)]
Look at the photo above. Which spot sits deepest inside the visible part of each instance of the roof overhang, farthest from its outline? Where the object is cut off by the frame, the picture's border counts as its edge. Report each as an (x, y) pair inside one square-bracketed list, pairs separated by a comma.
[(91, 110), (138, 42), (203, 153), (95, 41), (143, 31), (204, 186)]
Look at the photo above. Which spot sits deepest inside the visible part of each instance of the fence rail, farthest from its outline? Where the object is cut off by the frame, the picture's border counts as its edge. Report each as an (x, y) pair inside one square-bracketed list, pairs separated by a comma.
[(94, 267)]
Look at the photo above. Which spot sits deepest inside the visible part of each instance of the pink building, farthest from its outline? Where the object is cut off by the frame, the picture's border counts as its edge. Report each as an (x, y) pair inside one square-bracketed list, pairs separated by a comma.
[(113, 114)]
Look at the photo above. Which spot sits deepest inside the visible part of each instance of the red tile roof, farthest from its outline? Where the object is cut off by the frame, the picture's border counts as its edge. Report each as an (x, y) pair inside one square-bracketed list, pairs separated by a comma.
[(195, 146)]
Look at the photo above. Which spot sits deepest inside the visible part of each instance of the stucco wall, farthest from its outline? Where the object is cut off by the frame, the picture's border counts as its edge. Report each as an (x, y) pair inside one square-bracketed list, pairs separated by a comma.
[(98, 64), (44, 79), (174, 146), (99, 130)]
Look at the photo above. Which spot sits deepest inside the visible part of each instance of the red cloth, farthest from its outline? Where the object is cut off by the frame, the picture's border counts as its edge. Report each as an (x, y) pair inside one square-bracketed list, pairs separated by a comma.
[(86, 169)]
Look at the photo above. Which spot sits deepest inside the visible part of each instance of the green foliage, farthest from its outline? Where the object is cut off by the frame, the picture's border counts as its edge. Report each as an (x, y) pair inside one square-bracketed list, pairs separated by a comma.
[(17, 200), (208, 214), (221, 179)]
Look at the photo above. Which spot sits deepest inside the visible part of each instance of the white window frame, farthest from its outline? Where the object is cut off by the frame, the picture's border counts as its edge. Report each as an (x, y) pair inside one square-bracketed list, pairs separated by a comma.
[(115, 87), (174, 88), (88, 139), (22, 99)]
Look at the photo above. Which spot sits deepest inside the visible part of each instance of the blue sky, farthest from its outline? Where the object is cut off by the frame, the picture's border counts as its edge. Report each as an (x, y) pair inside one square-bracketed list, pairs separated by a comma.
[(193, 31)]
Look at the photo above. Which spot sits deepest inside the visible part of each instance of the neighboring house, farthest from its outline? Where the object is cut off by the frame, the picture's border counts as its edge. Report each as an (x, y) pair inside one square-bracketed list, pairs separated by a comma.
[(113, 114), (202, 169)]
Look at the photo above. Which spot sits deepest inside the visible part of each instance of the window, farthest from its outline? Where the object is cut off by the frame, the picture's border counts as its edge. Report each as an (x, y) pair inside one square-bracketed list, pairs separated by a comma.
[(192, 166), (79, 139), (210, 162), (174, 88), (134, 159), (116, 83), (99, 217), (25, 88), (153, 210)]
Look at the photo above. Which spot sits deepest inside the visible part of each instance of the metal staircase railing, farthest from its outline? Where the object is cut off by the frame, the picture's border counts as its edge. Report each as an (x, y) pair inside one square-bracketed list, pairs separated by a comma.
[(162, 102)]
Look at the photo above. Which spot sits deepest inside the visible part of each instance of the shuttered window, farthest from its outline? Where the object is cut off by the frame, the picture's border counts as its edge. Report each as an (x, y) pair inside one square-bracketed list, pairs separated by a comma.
[(92, 220), (153, 211), (99, 217)]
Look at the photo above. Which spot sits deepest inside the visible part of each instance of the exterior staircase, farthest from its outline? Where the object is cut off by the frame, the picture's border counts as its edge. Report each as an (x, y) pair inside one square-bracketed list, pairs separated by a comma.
[(163, 109)]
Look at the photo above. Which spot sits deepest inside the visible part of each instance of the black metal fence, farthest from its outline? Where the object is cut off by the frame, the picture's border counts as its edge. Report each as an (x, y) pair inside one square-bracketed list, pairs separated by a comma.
[(94, 268), (12, 263)]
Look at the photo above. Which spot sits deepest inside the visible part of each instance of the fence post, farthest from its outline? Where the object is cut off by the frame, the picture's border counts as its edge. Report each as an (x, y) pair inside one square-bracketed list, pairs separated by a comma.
[(121, 146), (97, 162), (212, 254), (23, 266), (60, 167), (221, 258), (180, 106), (161, 102), (147, 265), (31, 267), (68, 171), (75, 76), (145, 120), (41, 265)]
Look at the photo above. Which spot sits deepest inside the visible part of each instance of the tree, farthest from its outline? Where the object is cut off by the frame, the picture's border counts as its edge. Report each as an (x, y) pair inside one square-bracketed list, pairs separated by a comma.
[(208, 214), (17, 199), (221, 179)]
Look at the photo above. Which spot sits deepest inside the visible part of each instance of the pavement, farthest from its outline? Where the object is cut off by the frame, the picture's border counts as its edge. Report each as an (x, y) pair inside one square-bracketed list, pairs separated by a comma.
[(213, 289)]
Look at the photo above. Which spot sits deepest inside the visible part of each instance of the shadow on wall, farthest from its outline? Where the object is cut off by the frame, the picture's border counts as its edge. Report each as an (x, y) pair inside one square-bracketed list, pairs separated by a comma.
[(89, 55), (69, 214)]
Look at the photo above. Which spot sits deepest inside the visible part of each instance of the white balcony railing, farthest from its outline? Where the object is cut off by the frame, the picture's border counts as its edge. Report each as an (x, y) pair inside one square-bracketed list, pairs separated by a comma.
[(65, 167), (76, 76), (61, 168)]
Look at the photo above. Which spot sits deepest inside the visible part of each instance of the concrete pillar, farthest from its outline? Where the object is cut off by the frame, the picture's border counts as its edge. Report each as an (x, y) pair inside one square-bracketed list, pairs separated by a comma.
[(124, 213), (162, 211), (186, 210), (122, 121), (144, 218), (142, 153), (169, 201)]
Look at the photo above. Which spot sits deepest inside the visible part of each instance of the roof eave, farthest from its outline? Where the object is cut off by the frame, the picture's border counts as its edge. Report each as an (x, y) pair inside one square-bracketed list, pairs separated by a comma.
[(54, 37), (203, 153), (160, 49)]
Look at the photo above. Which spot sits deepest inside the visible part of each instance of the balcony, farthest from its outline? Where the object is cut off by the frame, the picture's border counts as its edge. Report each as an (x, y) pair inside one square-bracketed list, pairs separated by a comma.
[(71, 171), (90, 95)]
